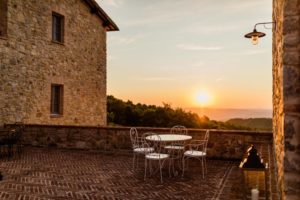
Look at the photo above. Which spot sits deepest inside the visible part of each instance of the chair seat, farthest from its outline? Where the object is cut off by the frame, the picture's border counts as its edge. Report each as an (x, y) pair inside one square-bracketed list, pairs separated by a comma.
[(157, 156), (175, 147), (143, 150), (194, 153)]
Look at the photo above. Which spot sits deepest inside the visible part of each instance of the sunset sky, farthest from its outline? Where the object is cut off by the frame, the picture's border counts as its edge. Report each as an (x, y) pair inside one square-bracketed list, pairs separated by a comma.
[(190, 53)]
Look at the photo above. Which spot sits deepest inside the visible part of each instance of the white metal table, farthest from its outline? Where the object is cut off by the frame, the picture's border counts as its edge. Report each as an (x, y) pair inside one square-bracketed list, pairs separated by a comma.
[(168, 138)]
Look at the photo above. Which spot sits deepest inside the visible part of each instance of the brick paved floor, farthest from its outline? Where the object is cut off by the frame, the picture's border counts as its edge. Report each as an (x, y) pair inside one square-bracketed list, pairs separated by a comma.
[(69, 174)]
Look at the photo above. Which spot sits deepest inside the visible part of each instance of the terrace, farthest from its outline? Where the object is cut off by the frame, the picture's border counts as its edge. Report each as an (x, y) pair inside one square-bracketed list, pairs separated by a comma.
[(69, 162)]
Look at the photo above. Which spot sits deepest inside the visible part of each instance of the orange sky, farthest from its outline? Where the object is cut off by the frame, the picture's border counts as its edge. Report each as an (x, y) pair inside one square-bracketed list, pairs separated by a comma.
[(170, 51)]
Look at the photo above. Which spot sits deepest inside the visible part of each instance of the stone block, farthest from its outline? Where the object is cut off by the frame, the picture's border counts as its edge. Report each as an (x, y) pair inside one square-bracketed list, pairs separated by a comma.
[(291, 58), (80, 145), (291, 8)]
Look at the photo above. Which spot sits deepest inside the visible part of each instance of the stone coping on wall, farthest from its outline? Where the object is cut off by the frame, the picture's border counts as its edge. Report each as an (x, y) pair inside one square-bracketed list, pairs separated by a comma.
[(158, 129), (223, 144)]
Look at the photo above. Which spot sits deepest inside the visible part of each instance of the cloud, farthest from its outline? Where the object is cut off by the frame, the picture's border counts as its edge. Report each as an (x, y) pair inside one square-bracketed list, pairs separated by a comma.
[(156, 79), (124, 40), (121, 40), (198, 28), (155, 13), (114, 3), (198, 64), (254, 52), (110, 57), (219, 80), (242, 6), (193, 47), (150, 20)]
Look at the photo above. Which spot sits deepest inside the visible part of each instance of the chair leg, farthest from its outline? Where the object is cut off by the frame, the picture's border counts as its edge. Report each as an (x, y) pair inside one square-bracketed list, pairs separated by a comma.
[(19, 149), (145, 169), (10, 153), (150, 168), (205, 164), (160, 169), (183, 165), (170, 163), (173, 165), (133, 161), (202, 162)]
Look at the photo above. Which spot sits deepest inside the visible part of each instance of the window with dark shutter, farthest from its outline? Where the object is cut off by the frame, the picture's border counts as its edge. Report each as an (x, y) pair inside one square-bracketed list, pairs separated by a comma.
[(3, 18), (56, 99), (57, 27)]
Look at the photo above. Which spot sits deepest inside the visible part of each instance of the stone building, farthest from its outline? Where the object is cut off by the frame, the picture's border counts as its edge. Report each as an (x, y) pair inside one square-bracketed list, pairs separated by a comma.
[(53, 62), (286, 95)]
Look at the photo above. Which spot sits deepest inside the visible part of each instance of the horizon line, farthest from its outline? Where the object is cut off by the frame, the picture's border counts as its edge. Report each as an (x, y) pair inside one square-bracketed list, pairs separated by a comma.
[(228, 108)]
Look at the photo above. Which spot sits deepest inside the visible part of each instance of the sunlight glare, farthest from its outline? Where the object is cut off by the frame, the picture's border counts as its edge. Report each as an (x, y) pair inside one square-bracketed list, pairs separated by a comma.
[(203, 98)]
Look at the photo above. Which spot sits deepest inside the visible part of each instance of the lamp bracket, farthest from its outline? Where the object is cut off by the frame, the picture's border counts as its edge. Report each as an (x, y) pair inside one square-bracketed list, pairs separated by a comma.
[(264, 23)]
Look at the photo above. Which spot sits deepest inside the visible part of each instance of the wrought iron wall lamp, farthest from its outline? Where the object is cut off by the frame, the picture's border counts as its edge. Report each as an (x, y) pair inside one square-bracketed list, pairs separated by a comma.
[(254, 35)]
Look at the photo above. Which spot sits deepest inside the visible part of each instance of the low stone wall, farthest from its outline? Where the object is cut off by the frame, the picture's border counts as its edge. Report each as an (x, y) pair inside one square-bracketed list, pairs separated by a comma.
[(222, 144)]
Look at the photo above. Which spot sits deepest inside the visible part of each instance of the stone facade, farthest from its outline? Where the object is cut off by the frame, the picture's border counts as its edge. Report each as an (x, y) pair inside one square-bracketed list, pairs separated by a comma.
[(30, 62), (286, 95)]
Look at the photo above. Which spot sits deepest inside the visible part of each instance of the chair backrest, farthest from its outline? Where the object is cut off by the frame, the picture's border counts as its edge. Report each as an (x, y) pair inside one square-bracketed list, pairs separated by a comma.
[(157, 145), (134, 137), (147, 143), (206, 137), (178, 129)]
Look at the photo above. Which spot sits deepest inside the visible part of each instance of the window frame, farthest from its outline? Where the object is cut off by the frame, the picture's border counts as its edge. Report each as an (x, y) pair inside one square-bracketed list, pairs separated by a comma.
[(61, 18), (3, 16), (60, 101)]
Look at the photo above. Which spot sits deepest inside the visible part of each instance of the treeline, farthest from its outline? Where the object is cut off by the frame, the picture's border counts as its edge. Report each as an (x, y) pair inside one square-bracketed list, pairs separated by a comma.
[(127, 113), (263, 124)]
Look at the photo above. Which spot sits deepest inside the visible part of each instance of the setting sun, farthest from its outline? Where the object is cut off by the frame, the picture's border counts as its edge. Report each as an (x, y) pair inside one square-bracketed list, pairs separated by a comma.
[(203, 98)]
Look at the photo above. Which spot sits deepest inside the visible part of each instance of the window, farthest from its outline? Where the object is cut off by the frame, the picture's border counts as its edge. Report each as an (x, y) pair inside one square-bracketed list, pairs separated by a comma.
[(3, 17), (56, 99), (57, 27)]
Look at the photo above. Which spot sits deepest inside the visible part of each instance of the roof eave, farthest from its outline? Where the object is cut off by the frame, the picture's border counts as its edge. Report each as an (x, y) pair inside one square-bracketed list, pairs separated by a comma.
[(108, 23)]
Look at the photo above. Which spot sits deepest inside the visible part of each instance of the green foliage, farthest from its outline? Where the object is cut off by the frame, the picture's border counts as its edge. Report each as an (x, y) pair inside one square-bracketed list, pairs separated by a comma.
[(128, 114), (264, 124)]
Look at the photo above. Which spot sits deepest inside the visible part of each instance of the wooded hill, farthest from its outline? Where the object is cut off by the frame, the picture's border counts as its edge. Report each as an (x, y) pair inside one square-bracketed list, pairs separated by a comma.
[(127, 113)]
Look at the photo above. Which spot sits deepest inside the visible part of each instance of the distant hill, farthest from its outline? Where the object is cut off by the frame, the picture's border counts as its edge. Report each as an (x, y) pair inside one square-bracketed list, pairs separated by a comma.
[(224, 114), (264, 124)]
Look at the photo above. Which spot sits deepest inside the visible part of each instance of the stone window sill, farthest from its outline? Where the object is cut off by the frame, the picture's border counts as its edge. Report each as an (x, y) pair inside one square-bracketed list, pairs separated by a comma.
[(56, 42), (56, 115), (3, 37)]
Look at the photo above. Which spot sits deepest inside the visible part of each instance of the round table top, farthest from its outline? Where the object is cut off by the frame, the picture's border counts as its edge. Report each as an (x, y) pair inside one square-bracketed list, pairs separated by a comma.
[(168, 137)]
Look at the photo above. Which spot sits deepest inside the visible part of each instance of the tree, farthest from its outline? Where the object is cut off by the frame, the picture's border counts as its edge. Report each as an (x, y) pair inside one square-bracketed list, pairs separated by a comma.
[(129, 114)]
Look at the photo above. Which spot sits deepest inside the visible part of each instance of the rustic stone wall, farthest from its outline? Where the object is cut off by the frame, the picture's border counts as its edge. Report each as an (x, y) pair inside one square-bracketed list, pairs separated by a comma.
[(286, 95), (278, 118), (222, 143), (30, 62)]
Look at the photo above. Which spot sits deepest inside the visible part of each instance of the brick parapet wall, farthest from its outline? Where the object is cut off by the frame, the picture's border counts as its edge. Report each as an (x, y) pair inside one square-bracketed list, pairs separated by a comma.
[(224, 144)]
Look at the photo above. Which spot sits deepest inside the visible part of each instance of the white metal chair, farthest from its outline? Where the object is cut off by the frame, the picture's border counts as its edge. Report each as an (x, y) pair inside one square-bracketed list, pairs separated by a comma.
[(175, 156), (197, 149), (138, 146), (180, 130), (156, 156), (176, 148)]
